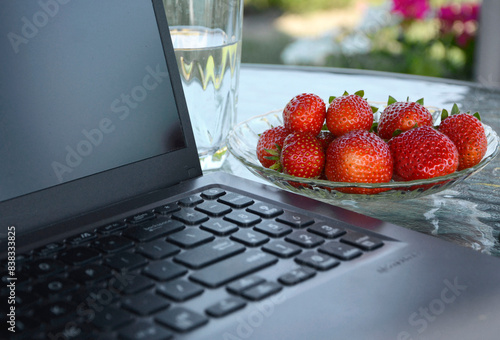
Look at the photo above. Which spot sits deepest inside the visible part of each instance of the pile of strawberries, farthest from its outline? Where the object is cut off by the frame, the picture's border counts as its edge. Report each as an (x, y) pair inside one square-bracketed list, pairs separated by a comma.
[(342, 143)]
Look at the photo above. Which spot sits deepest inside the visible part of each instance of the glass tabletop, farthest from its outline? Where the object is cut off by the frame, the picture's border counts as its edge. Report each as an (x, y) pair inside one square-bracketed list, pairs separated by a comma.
[(467, 214)]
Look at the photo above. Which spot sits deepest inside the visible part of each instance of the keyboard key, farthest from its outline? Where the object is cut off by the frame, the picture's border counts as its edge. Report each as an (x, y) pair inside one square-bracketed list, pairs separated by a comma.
[(168, 209), (282, 249), (213, 193), (113, 244), (305, 239), (111, 228), (242, 218), (326, 230), (181, 319), (362, 241), (236, 200), (273, 229), (158, 249), (219, 227), (153, 229), (190, 216), (144, 330), (190, 237), (238, 286), (81, 238), (226, 306), (214, 208), (141, 217), (179, 290), (164, 270), (296, 276), (125, 261), (128, 283), (46, 267), (233, 268), (87, 299), (80, 255), (56, 312), (265, 210), (145, 303), (209, 253), (340, 250), (295, 220), (190, 201), (110, 318), (317, 261), (21, 260), (50, 249), (54, 286), (249, 237), (90, 274), (262, 291)]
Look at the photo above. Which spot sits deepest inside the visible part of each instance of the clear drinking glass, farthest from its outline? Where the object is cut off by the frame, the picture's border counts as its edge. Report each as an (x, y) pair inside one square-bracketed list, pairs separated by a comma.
[(206, 35)]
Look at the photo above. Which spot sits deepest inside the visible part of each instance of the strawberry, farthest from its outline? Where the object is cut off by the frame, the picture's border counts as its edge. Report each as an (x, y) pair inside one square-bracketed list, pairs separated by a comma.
[(422, 153), (359, 157), (269, 146), (305, 113), (402, 116), (302, 156), (467, 133), (348, 113)]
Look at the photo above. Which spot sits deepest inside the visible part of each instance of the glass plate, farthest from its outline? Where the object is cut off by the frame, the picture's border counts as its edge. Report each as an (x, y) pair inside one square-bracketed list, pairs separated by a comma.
[(242, 142)]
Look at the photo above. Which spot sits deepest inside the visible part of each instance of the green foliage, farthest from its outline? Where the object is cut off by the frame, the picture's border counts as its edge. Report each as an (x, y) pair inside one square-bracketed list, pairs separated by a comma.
[(296, 6), (264, 50), (300, 6)]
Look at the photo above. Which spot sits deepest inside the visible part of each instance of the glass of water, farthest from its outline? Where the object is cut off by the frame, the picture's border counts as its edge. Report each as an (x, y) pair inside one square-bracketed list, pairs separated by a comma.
[(206, 35)]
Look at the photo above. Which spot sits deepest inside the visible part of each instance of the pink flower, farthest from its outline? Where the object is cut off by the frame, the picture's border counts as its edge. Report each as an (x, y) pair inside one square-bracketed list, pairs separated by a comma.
[(411, 9), (460, 20)]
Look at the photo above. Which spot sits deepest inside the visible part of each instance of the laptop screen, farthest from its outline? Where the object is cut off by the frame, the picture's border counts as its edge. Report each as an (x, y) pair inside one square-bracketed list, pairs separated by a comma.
[(84, 88), (92, 110)]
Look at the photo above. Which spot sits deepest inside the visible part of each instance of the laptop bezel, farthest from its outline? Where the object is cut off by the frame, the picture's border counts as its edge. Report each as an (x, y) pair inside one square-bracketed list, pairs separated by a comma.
[(38, 209)]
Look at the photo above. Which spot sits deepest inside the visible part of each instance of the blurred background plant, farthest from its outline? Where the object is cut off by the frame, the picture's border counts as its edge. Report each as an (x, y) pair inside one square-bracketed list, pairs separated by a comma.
[(296, 6), (423, 37)]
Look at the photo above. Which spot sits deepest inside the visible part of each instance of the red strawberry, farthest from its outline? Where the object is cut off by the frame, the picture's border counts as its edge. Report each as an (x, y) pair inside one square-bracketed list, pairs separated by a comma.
[(422, 153), (305, 113), (269, 145), (359, 157), (402, 116), (302, 156), (467, 133), (348, 113)]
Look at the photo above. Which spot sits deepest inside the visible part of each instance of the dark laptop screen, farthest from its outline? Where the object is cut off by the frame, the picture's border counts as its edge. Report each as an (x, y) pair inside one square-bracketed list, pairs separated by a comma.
[(84, 88)]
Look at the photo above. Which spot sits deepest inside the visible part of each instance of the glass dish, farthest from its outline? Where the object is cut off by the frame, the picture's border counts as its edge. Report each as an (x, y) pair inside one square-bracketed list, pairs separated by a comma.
[(242, 142)]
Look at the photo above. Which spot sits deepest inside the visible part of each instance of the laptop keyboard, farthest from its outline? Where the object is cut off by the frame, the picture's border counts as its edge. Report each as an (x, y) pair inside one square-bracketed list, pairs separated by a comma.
[(143, 277)]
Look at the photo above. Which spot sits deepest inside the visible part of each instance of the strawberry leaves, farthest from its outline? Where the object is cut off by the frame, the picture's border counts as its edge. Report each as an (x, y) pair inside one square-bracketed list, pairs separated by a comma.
[(455, 111)]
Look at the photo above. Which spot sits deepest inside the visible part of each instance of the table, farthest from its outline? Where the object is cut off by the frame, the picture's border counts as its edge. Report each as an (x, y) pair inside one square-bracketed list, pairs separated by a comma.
[(467, 214)]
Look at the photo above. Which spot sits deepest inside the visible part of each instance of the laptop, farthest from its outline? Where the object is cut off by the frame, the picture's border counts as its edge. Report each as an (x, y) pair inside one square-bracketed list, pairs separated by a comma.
[(109, 229)]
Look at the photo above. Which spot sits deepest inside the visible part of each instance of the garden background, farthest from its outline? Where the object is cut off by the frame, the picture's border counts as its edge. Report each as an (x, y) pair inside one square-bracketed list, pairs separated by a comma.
[(424, 37)]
